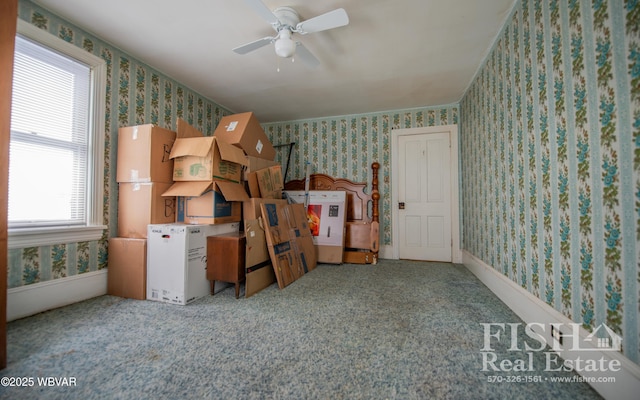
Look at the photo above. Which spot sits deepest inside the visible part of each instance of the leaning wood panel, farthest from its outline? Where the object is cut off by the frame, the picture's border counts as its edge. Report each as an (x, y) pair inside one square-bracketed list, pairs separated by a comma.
[(8, 22)]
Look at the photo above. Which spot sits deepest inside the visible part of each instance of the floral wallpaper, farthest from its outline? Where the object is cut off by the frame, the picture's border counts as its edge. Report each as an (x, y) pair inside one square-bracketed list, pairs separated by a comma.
[(346, 146), (550, 150), (136, 94)]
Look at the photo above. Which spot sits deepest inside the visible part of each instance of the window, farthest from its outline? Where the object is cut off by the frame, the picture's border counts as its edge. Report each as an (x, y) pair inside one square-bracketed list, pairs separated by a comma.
[(57, 141)]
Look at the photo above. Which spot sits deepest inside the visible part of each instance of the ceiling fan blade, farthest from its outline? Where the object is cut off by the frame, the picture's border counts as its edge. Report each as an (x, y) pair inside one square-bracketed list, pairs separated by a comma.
[(330, 20), (262, 10), (245, 48), (305, 56)]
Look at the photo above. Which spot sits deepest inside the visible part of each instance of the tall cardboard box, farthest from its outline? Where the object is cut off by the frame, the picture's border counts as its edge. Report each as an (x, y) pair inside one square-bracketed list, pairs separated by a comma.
[(327, 218), (208, 202), (177, 261), (244, 130), (143, 154), (141, 204), (127, 268)]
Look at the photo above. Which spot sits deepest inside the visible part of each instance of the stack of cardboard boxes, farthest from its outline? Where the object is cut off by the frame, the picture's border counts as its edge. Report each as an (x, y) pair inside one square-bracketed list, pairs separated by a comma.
[(143, 172), (202, 190)]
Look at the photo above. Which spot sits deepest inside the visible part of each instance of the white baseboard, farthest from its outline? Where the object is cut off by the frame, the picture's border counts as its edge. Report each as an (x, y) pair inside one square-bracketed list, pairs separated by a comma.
[(533, 310), (385, 252), (32, 299)]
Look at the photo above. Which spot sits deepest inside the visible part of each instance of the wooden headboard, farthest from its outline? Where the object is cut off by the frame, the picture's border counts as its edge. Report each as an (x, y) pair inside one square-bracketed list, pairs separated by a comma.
[(362, 226)]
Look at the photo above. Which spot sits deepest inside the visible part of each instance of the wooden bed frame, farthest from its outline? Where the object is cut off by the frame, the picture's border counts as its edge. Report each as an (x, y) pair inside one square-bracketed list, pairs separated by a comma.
[(362, 240)]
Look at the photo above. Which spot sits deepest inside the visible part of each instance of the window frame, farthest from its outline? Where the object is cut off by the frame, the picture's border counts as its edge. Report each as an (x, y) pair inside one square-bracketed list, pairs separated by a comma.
[(93, 228)]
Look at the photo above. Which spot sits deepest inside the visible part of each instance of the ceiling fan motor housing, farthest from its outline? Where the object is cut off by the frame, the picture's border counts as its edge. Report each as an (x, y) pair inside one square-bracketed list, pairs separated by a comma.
[(288, 17)]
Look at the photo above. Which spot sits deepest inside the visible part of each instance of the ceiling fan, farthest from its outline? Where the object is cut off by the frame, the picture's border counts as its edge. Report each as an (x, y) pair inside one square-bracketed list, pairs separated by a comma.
[(286, 21)]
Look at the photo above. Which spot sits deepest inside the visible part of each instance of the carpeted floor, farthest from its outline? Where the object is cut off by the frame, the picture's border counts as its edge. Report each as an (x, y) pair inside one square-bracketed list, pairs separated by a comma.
[(396, 330)]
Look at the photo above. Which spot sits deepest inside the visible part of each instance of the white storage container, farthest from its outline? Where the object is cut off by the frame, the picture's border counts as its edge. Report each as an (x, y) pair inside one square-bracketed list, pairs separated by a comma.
[(177, 261)]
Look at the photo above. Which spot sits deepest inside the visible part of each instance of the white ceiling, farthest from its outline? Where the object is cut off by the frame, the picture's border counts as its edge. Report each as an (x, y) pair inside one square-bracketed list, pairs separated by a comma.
[(392, 55)]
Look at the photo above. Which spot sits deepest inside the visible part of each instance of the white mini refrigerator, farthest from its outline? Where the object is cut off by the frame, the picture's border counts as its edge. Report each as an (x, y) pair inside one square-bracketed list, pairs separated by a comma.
[(177, 260)]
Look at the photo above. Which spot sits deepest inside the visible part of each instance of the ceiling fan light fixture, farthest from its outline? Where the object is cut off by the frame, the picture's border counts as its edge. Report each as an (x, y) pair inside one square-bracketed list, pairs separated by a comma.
[(286, 21), (285, 47)]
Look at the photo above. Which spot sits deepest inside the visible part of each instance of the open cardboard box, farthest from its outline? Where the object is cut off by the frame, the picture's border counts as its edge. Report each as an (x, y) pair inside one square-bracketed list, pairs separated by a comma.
[(208, 202), (204, 158)]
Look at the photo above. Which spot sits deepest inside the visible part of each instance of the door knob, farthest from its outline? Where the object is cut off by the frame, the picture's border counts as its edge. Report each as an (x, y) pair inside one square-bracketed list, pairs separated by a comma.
[(401, 205)]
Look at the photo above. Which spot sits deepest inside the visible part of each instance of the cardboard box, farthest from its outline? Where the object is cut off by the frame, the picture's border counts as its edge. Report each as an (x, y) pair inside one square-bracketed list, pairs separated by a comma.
[(251, 208), (301, 236), (244, 130), (200, 158), (269, 182), (284, 229), (141, 204), (259, 277), (127, 268), (281, 252), (254, 164), (251, 183), (256, 252), (204, 202), (327, 218), (259, 272), (176, 261), (143, 154)]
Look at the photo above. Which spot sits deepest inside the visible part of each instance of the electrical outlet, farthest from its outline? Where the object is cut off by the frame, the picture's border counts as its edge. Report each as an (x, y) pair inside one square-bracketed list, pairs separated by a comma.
[(555, 334)]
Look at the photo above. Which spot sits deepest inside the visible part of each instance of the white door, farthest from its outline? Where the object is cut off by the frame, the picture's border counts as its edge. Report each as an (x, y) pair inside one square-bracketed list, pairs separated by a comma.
[(424, 197)]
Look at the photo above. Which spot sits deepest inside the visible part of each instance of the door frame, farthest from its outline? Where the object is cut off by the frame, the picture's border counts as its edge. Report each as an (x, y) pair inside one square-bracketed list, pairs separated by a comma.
[(456, 253), (8, 24)]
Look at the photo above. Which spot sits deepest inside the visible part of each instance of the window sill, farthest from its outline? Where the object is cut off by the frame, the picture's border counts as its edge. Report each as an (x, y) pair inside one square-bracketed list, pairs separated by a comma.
[(22, 238)]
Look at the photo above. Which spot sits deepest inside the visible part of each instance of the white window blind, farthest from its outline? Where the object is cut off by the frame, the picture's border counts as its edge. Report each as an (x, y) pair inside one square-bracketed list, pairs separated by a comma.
[(56, 165), (49, 147)]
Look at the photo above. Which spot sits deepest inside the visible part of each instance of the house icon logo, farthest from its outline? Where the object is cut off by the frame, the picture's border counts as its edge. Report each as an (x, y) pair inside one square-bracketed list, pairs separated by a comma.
[(603, 338)]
